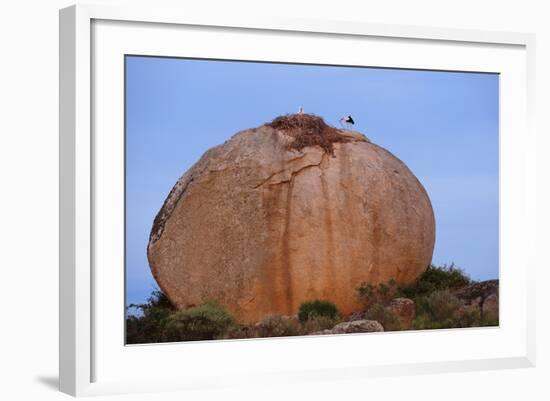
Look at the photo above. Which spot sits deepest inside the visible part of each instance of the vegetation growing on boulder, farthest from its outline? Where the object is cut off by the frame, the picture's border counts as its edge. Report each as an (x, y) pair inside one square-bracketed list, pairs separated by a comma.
[(308, 130)]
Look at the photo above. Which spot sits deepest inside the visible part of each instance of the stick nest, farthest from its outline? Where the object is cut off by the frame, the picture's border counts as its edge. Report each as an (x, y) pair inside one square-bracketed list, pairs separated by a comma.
[(308, 130)]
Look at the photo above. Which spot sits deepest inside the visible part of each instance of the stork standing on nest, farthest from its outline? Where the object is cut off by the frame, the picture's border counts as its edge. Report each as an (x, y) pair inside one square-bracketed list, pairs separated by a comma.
[(347, 121), (301, 110)]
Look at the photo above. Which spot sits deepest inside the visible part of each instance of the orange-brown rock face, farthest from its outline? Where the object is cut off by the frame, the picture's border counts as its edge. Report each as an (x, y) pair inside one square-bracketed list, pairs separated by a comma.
[(262, 226)]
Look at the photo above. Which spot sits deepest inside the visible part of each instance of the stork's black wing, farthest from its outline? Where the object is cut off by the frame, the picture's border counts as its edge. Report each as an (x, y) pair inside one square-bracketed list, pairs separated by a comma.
[(350, 120)]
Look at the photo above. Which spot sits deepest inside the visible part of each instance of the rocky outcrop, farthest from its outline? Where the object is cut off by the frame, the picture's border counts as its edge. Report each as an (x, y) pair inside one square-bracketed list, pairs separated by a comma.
[(358, 315), (356, 326), (286, 213), (489, 308), (484, 296), (404, 309)]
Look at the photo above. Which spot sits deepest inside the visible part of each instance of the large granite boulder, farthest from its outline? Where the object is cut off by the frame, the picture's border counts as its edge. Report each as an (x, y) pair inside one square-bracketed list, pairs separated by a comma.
[(288, 212)]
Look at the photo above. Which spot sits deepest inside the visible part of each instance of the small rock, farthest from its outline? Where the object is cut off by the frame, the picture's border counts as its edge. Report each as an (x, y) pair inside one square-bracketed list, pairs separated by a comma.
[(357, 326), (316, 333)]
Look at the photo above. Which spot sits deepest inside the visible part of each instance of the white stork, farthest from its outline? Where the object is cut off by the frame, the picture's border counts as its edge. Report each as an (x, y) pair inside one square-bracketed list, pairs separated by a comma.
[(347, 121)]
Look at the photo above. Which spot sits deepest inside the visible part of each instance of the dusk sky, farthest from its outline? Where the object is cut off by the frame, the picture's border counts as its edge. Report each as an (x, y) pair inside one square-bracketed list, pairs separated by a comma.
[(443, 125)]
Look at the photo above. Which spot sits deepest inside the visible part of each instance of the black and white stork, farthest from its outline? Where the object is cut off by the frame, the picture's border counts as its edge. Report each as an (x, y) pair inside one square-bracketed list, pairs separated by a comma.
[(347, 121)]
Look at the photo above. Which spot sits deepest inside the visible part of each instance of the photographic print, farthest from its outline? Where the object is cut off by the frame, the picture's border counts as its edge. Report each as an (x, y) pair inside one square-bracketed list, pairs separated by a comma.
[(275, 199)]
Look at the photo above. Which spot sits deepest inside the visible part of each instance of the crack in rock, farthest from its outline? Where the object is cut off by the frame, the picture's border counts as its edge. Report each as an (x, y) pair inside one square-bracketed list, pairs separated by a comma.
[(308, 160)]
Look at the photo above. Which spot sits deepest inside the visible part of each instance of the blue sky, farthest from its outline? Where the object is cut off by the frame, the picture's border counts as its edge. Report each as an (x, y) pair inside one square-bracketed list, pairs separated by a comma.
[(443, 125)]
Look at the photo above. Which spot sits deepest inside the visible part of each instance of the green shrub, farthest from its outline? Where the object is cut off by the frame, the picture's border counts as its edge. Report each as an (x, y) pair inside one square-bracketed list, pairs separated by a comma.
[(385, 317), (148, 326), (439, 305), (204, 322), (487, 322), (442, 310), (435, 279), (377, 294), (277, 326), (239, 331), (317, 308), (318, 323), (468, 316), (424, 322)]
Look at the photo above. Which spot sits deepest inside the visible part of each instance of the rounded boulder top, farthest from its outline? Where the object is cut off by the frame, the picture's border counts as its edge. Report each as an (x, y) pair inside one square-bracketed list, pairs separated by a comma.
[(292, 211)]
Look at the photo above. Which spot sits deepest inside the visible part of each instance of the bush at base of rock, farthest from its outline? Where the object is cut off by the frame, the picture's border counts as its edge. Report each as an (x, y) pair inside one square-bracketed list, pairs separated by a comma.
[(405, 310), (148, 326), (384, 316), (475, 305), (468, 316), (281, 326), (444, 310), (490, 310), (319, 323), (440, 305), (318, 308), (377, 294), (277, 326), (204, 322), (484, 297), (437, 278)]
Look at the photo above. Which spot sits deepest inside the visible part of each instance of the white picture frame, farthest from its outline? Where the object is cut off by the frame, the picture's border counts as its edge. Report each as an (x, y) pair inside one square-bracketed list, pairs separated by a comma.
[(83, 344)]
